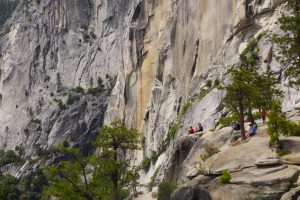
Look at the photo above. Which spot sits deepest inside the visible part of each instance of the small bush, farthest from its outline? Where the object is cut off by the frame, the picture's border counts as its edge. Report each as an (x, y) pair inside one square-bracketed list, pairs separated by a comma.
[(40, 152), (93, 35), (79, 89), (217, 82), (254, 184), (30, 112), (51, 94), (256, 115), (36, 121), (225, 177), (71, 99), (225, 121), (61, 105), (294, 129), (185, 108), (152, 181), (202, 94), (26, 131), (165, 190), (143, 140), (210, 151), (208, 83), (282, 152), (146, 164), (86, 37), (154, 157), (9, 157), (58, 79), (20, 150)]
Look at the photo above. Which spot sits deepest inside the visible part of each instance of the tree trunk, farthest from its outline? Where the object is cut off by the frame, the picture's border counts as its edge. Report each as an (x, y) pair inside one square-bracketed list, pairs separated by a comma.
[(241, 109), (115, 183), (115, 178), (250, 115)]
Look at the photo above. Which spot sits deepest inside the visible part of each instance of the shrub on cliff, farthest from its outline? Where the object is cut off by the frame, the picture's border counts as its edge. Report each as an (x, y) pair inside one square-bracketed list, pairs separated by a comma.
[(165, 190)]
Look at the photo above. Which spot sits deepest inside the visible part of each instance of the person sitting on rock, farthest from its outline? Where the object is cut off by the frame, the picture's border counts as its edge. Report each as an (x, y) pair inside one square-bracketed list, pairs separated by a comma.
[(200, 127), (252, 130), (191, 130), (235, 126)]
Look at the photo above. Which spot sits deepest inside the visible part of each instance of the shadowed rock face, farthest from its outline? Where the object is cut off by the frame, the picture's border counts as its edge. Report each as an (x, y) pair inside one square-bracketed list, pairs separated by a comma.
[(191, 191), (180, 151)]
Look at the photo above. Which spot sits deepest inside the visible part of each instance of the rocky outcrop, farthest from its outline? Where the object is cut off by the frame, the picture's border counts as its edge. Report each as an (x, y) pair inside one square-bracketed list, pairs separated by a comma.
[(180, 151), (191, 191)]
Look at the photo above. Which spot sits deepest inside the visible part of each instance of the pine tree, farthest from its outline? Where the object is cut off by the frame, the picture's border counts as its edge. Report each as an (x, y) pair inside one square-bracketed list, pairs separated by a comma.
[(277, 124), (289, 41), (241, 92), (106, 175), (250, 89)]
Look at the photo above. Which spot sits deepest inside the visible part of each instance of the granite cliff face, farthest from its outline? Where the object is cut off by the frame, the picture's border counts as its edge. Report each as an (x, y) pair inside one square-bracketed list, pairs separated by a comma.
[(151, 55)]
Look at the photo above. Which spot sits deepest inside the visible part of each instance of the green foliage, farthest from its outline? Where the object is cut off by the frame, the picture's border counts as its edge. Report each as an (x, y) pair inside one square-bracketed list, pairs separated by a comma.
[(146, 163), (8, 188), (97, 90), (58, 81), (36, 121), (225, 177), (30, 112), (26, 131), (165, 190), (172, 131), (93, 35), (249, 88), (31, 185), (185, 108), (277, 124), (61, 105), (79, 89), (20, 150), (225, 121), (254, 184), (294, 129), (256, 115), (51, 94), (86, 37), (202, 94), (152, 181), (106, 174), (6, 9), (9, 157), (40, 152), (289, 42), (282, 152), (210, 151), (72, 98), (208, 83), (154, 157), (217, 82)]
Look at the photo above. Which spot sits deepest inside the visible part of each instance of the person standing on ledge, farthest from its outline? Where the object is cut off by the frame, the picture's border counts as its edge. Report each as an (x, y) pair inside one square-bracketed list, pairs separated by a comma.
[(263, 115)]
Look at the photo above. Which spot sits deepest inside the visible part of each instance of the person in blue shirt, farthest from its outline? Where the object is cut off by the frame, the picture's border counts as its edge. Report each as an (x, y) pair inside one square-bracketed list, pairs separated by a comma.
[(252, 129)]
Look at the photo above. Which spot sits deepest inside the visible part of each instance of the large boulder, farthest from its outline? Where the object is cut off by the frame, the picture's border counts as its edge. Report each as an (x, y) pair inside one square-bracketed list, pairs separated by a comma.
[(177, 155), (242, 156), (293, 194), (191, 191)]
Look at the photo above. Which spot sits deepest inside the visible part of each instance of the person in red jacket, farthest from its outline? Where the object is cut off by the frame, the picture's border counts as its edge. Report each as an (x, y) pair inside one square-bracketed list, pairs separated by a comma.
[(191, 130), (263, 115)]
